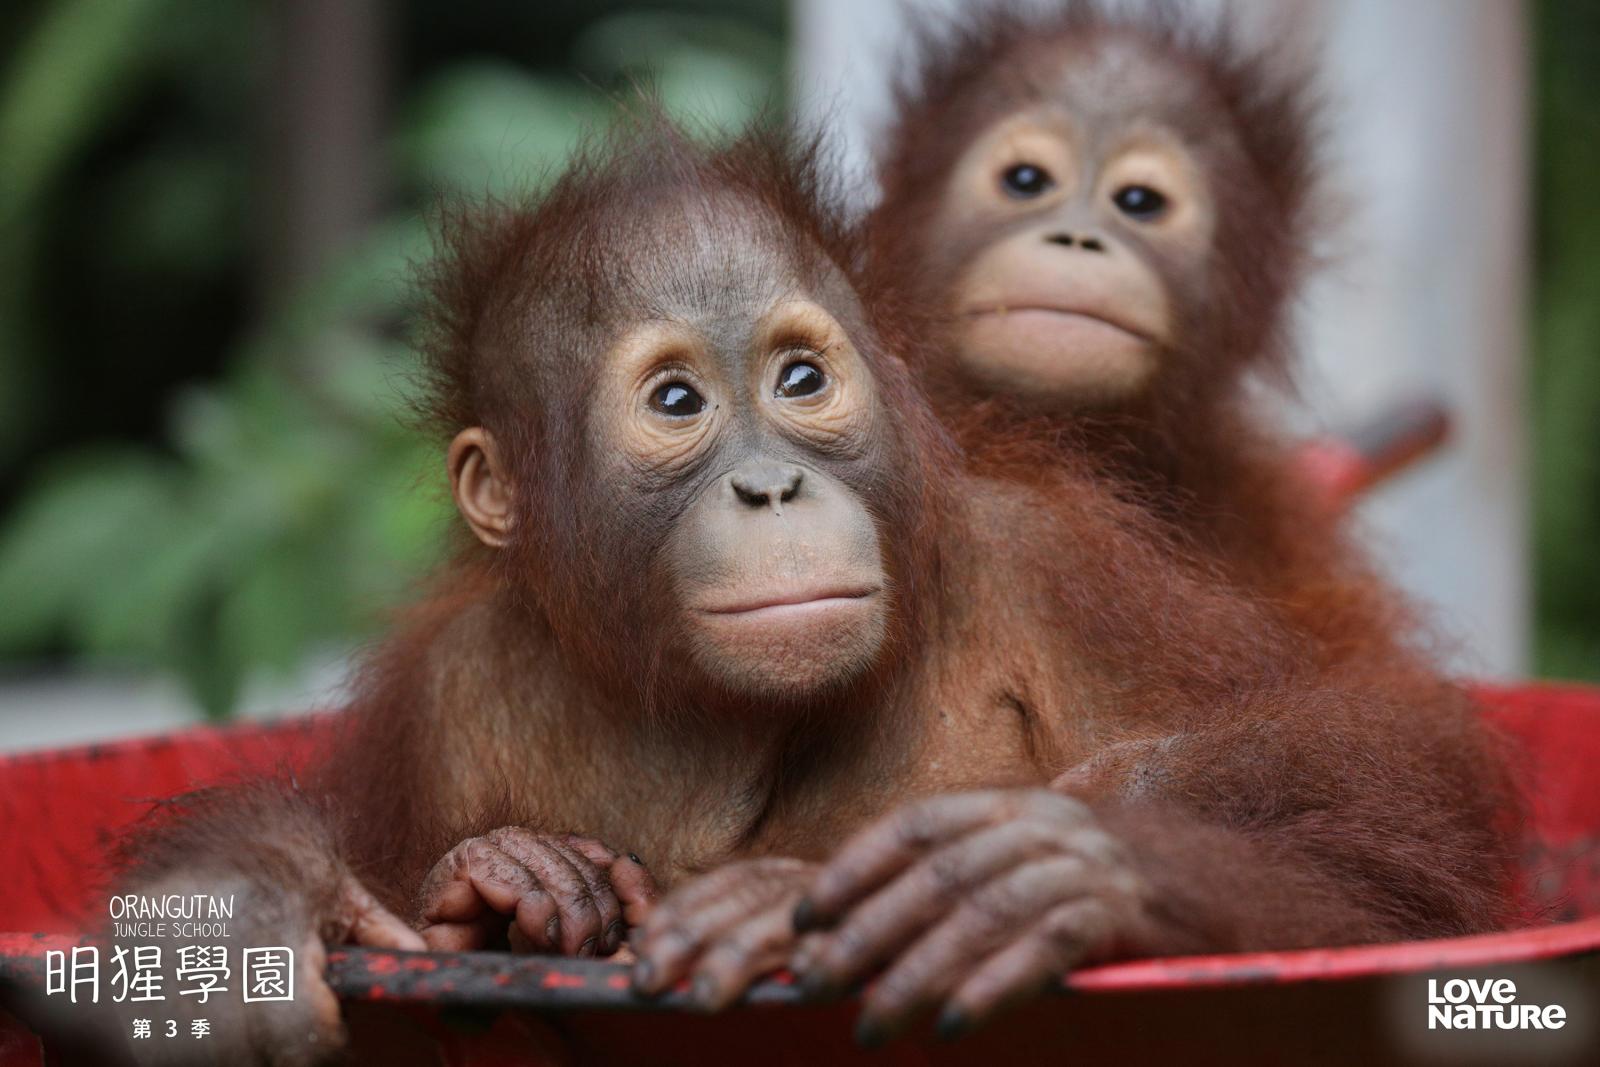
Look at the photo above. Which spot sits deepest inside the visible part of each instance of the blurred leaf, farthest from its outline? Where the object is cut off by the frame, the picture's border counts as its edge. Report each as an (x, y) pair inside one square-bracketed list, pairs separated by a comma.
[(173, 210), (143, 611), (489, 128), (712, 74), (61, 81), (279, 604), (282, 513), (93, 523), (713, 92), (1565, 423), (210, 666), (627, 43), (59, 84)]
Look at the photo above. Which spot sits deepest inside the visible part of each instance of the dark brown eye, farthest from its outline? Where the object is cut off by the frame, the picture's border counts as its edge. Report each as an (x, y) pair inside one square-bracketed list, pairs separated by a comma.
[(800, 378), (1139, 202), (677, 400), (1025, 181)]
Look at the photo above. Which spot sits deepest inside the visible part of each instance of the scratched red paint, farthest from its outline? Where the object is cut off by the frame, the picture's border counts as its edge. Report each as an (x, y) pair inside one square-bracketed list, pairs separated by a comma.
[(1559, 727)]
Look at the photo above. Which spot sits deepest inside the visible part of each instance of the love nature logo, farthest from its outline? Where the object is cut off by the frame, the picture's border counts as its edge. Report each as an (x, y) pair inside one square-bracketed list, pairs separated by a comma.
[(1487, 1004)]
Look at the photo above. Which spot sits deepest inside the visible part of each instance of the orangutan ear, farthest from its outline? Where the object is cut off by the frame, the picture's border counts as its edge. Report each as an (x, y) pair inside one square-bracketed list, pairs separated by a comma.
[(481, 486)]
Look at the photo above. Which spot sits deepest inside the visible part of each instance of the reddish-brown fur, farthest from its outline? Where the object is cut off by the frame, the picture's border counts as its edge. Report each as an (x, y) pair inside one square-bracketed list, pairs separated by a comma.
[(1044, 627), (1190, 449)]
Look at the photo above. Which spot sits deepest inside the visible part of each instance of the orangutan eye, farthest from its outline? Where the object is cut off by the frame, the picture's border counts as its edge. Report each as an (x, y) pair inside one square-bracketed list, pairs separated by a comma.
[(677, 400), (1025, 181), (1139, 202), (800, 378)]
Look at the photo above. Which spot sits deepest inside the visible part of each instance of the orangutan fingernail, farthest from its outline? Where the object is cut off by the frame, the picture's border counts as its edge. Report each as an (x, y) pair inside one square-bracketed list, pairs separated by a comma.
[(870, 1033), (953, 1022), (703, 992), (552, 929), (644, 977), (586, 950), (805, 916), (614, 934), (815, 986)]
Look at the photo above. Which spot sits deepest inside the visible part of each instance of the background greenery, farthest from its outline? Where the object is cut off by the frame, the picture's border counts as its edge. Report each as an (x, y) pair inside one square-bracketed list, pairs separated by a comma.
[(1565, 421), (204, 474), (203, 478)]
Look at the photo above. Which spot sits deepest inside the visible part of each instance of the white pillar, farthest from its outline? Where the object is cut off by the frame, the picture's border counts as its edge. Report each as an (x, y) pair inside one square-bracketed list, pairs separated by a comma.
[(1426, 295), (1431, 146)]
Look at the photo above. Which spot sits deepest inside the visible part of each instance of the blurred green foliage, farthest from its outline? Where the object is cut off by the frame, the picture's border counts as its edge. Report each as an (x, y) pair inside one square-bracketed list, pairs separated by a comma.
[(267, 512), (1566, 342)]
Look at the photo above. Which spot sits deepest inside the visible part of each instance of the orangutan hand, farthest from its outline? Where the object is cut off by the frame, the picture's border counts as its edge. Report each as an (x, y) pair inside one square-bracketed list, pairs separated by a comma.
[(300, 1031), (974, 900), (726, 928), (556, 893)]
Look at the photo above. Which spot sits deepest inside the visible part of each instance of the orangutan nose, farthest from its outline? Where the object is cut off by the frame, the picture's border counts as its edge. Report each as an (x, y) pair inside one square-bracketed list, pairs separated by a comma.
[(1087, 242), (764, 484)]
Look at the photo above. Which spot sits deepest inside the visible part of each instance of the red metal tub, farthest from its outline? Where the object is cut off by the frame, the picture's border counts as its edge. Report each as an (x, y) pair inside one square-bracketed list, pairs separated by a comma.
[(59, 809)]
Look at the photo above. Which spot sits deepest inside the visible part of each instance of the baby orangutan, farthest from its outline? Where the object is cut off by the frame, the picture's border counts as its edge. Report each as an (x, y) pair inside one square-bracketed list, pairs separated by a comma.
[(1063, 640), (1105, 214), (731, 598)]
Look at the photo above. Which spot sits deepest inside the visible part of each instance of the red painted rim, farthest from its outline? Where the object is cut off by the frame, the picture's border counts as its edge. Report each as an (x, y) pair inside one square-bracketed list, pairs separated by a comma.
[(607, 982), (1334, 964)]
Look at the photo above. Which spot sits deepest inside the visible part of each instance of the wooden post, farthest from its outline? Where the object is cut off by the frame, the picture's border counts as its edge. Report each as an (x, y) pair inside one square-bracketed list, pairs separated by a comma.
[(326, 109)]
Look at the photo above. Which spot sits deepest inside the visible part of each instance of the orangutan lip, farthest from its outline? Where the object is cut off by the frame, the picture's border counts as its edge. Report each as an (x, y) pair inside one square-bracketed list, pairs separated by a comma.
[(801, 601), (1066, 313)]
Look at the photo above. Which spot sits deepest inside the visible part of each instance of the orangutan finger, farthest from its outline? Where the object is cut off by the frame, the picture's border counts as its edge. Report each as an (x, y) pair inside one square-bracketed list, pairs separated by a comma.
[(500, 879), (577, 913), (935, 964), (635, 887), (1035, 961), (374, 925), (672, 941), (538, 924), (605, 899), (750, 950), (689, 919), (463, 936), (884, 923), (596, 852), (452, 902), (887, 847)]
